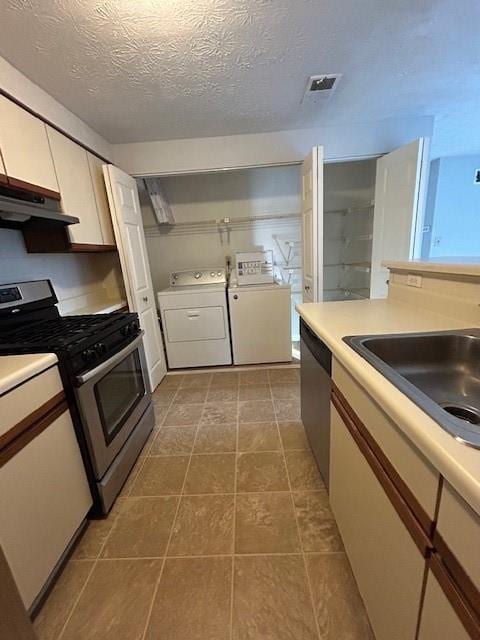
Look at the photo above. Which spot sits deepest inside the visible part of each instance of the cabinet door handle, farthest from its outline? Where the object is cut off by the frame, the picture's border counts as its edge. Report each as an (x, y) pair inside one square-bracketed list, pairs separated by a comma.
[(145, 298), (235, 297)]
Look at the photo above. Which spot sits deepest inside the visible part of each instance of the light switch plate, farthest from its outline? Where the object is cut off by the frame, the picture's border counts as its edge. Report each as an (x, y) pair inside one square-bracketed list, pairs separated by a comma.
[(414, 280)]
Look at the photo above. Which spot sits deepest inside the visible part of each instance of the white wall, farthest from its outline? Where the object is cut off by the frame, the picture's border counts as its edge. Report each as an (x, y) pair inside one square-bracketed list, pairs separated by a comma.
[(74, 276), (453, 208), (30, 94), (348, 140)]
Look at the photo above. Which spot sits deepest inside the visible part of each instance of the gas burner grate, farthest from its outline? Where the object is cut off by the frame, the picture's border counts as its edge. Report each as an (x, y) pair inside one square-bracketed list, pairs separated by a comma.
[(58, 332)]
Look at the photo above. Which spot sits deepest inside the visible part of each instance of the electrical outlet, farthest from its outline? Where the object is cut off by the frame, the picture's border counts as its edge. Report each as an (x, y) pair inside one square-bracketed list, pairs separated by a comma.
[(414, 280)]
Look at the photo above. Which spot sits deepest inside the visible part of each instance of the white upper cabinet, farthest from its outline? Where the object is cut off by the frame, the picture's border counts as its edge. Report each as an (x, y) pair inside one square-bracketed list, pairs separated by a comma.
[(25, 150), (96, 171), (76, 188)]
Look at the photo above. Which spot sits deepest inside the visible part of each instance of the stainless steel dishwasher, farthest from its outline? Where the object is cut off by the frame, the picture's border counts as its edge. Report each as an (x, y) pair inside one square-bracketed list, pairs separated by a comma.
[(315, 387)]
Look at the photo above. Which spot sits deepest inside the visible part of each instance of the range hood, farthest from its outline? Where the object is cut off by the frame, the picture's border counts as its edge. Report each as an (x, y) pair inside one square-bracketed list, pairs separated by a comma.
[(16, 211)]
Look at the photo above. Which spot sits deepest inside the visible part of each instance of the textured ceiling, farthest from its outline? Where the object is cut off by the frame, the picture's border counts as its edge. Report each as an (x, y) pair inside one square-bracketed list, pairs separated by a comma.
[(158, 69)]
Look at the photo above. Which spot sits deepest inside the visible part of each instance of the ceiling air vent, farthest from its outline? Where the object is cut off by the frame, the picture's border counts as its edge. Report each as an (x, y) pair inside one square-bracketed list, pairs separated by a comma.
[(321, 88)]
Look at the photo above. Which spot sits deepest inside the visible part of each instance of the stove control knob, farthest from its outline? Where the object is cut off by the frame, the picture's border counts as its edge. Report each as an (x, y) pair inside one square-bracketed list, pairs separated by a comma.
[(89, 355), (197, 275), (213, 274), (100, 348), (125, 331), (219, 273), (134, 326)]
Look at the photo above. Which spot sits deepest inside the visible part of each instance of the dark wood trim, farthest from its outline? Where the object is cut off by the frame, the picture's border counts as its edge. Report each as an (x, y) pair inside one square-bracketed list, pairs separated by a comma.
[(9, 96), (33, 188), (29, 421), (3, 179), (54, 238), (15, 446), (419, 512), (398, 502), (467, 615), (76, 247), (458, 573)]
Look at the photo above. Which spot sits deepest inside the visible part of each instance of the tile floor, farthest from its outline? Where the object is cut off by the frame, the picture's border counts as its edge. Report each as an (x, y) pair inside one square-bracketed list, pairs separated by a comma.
[(222, 531)]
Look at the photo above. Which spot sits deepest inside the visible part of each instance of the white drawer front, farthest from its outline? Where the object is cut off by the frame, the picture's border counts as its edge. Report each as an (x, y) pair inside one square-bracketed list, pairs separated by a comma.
[(196, 323), (29, 396)]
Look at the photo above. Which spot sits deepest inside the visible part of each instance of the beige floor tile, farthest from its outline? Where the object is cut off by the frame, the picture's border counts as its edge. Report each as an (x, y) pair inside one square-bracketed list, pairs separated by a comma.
[(170, 381), (164, 395), (262, 471), (287, 410), (265, 523), (223, 394), (258, 436), (192, 395), (302, 471), (193, 600), (224, 379), (272, 600), (338, 606), (255, 376), (115, 601), (142, 528), (318, 529), (196, 380), (183, 414), (293, 435), (255, 392), (92, 541), (219, 412), (285, 391), (256, 411), (211, 474), (204, 526), (160, 476), (161, 411), (216, 438), (127, 487), (291, 375), (60, 601), (171, 441)]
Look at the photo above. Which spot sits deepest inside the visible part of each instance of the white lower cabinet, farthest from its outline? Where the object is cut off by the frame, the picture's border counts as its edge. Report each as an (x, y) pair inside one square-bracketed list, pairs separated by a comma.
[(387, 564), (44, 497), (439, 619)]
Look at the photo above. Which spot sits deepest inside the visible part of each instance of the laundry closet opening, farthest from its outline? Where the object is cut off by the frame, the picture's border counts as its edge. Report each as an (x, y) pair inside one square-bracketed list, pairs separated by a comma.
[(202, 220)]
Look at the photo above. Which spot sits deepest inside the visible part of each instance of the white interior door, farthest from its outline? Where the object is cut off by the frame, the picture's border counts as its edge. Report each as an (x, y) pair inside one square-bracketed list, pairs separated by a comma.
[(312, 225), (398, 213), (130, 238)]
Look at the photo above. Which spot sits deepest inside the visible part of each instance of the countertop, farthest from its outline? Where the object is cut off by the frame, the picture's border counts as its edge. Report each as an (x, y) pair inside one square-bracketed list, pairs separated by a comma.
[(107, 306), (331, 321), (17, 369)]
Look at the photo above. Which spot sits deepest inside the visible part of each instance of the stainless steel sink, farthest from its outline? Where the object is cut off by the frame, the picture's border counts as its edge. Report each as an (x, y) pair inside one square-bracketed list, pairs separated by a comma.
[(439, 371)]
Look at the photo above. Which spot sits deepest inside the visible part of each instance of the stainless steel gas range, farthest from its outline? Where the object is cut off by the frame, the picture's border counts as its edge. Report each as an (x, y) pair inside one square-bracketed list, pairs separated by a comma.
[(103, 367)]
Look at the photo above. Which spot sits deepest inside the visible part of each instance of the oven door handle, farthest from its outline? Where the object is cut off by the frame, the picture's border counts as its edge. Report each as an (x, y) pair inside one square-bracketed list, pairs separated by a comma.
[(110, 363)]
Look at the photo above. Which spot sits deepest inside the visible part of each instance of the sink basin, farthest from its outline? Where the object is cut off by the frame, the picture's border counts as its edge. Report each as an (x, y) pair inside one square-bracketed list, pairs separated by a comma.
[(438, 371)]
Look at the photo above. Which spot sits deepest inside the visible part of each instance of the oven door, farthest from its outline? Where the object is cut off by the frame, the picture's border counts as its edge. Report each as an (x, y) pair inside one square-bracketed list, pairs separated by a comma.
[(111, 399)]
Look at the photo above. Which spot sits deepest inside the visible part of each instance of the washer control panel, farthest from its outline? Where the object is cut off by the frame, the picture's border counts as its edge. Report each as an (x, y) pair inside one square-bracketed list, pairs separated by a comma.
[(212, 275)]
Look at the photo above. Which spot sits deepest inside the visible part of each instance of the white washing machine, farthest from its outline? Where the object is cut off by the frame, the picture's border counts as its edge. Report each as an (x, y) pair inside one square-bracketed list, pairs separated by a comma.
[(194, 317), (260, 322)]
